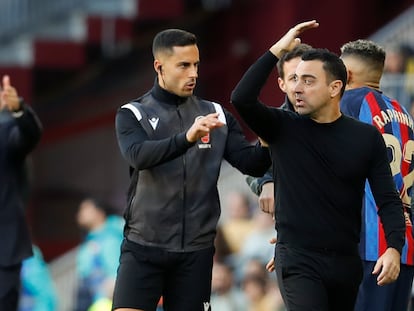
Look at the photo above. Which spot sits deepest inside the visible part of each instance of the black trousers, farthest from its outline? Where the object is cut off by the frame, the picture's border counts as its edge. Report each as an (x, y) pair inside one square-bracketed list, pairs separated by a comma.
[(317, 280), (9, 287)]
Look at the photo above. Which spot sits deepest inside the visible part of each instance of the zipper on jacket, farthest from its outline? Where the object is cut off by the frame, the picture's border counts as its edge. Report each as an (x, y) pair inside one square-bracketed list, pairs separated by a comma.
[(184, 186)]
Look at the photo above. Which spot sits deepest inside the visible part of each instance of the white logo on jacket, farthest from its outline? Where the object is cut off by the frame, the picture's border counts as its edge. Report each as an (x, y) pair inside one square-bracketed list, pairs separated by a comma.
[(154, 122)]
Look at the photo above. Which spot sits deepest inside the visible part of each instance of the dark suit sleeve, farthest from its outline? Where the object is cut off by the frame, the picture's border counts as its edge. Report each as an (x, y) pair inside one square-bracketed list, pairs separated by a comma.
[(256, 183), (26, 134)]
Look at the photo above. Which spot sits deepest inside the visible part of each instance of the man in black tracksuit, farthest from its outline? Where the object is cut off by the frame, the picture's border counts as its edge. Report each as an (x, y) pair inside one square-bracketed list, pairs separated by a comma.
[(321, 161), (174, 143)]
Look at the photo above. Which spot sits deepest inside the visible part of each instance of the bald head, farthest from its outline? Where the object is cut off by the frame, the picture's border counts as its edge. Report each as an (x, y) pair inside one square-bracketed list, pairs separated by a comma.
[(364, 60)]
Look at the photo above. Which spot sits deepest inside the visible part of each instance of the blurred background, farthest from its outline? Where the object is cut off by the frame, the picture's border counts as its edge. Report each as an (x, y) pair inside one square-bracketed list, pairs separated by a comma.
[(77, 61)]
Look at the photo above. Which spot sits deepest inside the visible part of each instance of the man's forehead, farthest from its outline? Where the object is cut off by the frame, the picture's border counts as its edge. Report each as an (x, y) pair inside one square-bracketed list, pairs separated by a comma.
[(185, 53), (292, 62), (306, 67)]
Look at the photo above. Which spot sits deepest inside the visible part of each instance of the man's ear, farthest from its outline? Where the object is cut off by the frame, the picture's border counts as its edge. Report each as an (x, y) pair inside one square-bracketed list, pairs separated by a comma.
[(349, 76), (158, 66), (335, 88), (282, 84)]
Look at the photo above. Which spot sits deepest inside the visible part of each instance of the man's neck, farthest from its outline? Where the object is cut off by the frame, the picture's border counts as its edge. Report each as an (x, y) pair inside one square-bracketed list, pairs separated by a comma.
[(356, 85), (328, 114), (373, 85)]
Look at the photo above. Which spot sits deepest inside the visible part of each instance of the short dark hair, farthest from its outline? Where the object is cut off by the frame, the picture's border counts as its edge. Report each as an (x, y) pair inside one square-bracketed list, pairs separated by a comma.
[(297, 51), (101, 204), (332, 64), (167, 39), (368, 51)]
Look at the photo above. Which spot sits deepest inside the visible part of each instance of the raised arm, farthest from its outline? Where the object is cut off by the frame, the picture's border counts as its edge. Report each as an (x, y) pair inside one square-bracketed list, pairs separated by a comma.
[(245, 95)]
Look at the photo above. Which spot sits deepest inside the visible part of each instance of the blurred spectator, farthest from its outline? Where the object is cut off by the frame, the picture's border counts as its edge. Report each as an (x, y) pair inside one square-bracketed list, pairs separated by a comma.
[(38, 292), (98, 255), (409, 80), (411, 109), (223, 252), (261, 288), (238, 224), (20, 132), (104, 302), (256, 245), (115, 223), (254, 266), (398, 78), (225, 295), (259, 298), (397, 58)]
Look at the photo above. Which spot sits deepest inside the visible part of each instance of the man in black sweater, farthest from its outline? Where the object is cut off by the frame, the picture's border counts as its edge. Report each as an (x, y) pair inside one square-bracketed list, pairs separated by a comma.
[(322, 159), (286, 66)]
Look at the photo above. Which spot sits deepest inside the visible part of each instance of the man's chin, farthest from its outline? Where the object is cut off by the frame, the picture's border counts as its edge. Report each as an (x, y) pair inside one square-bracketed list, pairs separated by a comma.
[(302, 112), (186, 93)]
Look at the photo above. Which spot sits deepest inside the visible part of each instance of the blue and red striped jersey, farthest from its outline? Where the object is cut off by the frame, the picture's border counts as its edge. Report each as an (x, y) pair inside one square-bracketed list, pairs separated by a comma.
[(397, 128)]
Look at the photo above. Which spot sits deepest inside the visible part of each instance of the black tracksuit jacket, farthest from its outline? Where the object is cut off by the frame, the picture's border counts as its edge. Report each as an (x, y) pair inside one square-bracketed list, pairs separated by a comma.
[(173, 199)]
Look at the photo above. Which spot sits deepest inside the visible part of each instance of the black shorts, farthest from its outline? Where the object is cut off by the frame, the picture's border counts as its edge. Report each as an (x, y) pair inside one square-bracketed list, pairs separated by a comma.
[(146, 273)]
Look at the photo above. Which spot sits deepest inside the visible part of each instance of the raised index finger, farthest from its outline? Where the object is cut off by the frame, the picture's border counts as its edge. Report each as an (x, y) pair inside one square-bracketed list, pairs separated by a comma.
[(6, 81)]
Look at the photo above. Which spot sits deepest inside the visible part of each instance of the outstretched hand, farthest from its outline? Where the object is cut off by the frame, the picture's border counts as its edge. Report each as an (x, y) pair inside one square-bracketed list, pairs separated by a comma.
[(9, 98), (290, 40)]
